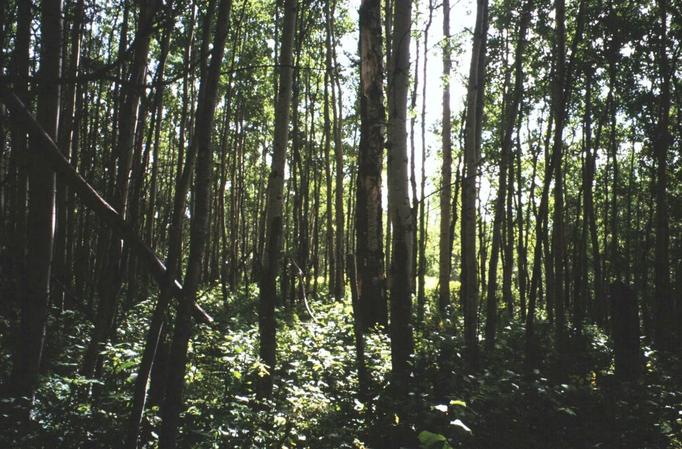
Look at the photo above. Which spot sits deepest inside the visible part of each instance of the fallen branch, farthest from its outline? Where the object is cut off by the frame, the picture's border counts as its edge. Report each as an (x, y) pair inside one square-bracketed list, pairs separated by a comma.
[(51, 155)]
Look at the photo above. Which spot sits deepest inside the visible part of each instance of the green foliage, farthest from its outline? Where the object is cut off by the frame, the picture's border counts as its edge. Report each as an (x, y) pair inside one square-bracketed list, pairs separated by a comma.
[(429, 440), (315, 403)]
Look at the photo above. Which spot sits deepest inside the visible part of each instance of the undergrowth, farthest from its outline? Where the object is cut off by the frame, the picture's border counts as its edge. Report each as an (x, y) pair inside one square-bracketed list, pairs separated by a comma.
[(565, 401)]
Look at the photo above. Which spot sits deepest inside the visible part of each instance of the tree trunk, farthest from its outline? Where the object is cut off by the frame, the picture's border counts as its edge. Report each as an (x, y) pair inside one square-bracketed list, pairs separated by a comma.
[(399, 205), (363, 375), (444, 256), (329, 267), (67, 132), (472, 149), (423, 228), (337, 109), (510, 114), (275, 203), (41, 209), (369, 226), (156, 326), (661, 142), (559, 108), (172, 405), (413, 157), (625, 329), (20, 156)]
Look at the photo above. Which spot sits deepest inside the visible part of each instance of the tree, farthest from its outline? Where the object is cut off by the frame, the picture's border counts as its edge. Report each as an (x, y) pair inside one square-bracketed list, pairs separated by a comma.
[(661, 143), (472, 151), (19, 142), (337, 112), (421, 270), (157, 324), (270, 263), (559, 112), (67, 132), (369, 226), (399, 202), (172, 404), (444, 255), (41, 209), (505, 183)]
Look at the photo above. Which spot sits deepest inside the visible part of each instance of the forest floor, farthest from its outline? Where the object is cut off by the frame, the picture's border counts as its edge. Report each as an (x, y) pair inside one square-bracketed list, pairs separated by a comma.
[(572, 401)]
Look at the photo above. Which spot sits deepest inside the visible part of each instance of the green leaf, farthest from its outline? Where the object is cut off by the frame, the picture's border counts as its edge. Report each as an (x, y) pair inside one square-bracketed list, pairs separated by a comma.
[(430, 440)]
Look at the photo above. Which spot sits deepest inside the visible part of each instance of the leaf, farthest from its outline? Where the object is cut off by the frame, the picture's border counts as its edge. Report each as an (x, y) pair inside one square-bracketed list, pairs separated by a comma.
[(430, 440), (261, 368), (567, 410), (193, 410), (280, 420), (459, 423), (458, 402)]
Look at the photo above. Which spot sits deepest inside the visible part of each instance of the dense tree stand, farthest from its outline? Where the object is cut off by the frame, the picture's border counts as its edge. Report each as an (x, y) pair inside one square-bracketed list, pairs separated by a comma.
[(375, 224)]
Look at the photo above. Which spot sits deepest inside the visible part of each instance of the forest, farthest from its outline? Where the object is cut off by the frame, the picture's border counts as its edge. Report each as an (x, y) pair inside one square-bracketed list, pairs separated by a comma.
[(370, 224)]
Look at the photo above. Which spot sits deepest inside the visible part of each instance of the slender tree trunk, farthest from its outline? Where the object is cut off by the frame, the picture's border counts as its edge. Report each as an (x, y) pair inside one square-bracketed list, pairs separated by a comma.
[(20, 155), (508, 245), (580, 302), (444, 254), (329, 267), (616, 268), (398, 198), (413, 157), (337, 105), (559, 108), (172, 404), (369, 226), (421, 271), (275, 203), (591, 156), (41, 209), (661, 142), (472, 146), (363, 375), (66, 136), (522, 248)]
